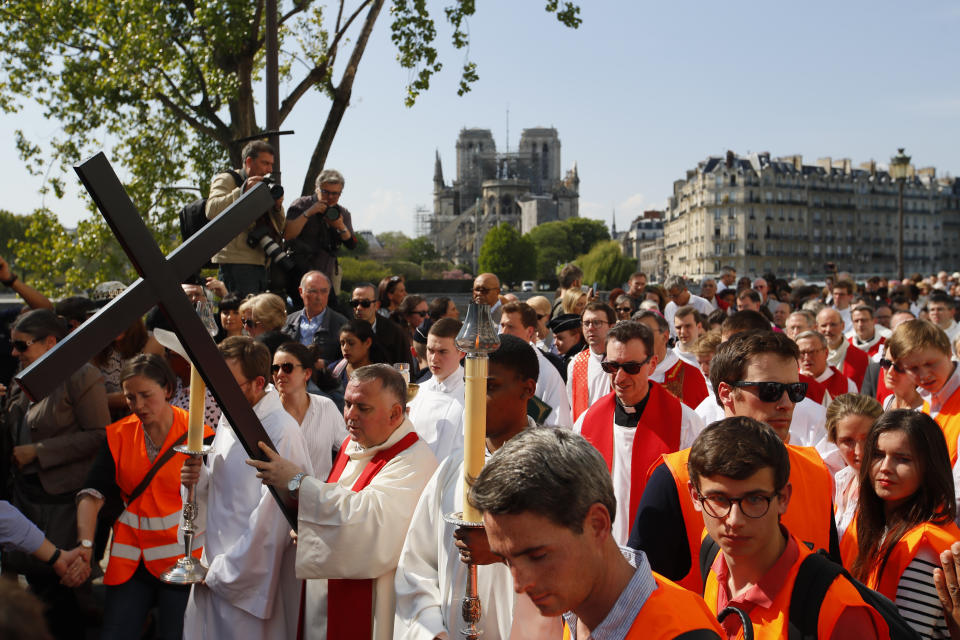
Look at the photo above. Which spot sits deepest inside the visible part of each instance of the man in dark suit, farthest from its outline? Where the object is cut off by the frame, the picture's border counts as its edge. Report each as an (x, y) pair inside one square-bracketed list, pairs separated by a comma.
[(391, 338), (316, 325)]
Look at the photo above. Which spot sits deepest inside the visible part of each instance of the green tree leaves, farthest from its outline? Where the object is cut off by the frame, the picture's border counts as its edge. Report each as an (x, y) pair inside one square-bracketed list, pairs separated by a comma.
[(508, 254), (562, 241), (606, 265)]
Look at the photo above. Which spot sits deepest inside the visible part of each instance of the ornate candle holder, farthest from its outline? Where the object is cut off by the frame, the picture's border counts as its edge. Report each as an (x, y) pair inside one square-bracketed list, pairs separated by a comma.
[(188, 570), (477, 338)]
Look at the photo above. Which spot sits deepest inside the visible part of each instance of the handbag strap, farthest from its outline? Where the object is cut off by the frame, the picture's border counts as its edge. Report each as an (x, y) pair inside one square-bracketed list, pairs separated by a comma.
[(157, 464)]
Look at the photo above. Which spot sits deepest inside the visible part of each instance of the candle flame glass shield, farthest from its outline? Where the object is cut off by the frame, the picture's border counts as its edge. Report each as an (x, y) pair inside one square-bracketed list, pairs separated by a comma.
[(478, 335)]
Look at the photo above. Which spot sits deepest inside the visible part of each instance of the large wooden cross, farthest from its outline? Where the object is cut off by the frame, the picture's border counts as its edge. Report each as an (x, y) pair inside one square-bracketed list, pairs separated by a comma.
[(159, 284)]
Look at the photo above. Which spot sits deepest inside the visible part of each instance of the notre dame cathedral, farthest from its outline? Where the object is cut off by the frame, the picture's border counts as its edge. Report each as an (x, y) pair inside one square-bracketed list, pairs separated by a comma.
[(522, 188)]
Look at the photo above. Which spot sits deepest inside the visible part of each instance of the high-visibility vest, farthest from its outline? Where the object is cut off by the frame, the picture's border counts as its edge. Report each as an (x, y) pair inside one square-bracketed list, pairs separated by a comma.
[(949, 421), (773, 621), (147, 528), (669, 612), (809, 512)]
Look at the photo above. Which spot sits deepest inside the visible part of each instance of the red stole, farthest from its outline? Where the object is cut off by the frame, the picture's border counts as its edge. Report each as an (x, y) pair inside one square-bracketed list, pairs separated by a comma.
[(658, 432), (855, 365), (815, 390), (580, 384), (837, 383), (685, 383), (350, 602)]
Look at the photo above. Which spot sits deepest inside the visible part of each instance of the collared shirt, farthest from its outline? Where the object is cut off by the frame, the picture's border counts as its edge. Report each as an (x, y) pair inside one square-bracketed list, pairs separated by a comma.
[(938, 399), (308, 326), (621, 617), (835, 357)]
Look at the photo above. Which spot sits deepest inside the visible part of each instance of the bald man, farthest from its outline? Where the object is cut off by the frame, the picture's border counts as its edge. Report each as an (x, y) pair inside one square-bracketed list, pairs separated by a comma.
[(486, 289), (851, 361)]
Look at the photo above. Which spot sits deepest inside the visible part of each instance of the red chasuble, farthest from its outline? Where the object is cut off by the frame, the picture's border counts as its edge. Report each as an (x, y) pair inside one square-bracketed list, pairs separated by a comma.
[(350, 602), (580, 386), (872, 349), (658, 432), (855, 365), (837, 384), (815, 390), (685, 382)]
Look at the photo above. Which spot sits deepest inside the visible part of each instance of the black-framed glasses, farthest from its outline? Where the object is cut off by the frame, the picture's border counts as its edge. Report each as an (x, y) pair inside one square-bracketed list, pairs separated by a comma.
[(630, 368), (332, 194), (752, 505), (773, 391), (594, 323), (21, 345), (485, 290), (357, 302), (286, 367), (884, 364)]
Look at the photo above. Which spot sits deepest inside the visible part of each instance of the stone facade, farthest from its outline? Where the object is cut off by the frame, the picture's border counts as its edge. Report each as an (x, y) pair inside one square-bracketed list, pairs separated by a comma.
[(759, 214), (522, 188)]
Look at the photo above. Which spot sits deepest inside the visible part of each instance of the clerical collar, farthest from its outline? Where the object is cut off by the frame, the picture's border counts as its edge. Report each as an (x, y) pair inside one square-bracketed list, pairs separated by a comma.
[(629, 416)]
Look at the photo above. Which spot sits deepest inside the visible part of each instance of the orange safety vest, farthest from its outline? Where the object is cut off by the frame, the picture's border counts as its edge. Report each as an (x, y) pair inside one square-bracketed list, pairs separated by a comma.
[(579, 383), (933, 536), (773, 621), (669, 612), (147, 527), (809, 513), (949, 421)]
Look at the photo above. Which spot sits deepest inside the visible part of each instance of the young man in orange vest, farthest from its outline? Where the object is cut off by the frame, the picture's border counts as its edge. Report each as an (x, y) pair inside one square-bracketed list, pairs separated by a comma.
[(680, 378), (754, 375), (548, 507), (740, 483), (851, 361), (638, 422), (586, 381), (350, 525)]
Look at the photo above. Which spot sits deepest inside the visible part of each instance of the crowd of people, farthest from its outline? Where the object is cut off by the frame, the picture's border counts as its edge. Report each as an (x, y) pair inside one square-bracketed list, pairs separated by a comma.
[(664, 460)]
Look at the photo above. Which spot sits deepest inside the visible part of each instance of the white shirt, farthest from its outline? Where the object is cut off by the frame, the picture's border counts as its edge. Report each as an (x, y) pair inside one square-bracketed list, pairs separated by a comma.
[(552, 390), (952, 332), (430, 577), (845, 498), (847, 315), (598, 381), (358, 534), (324, 431), (689, 358), (698, 303), (437, 413), (250, 590)]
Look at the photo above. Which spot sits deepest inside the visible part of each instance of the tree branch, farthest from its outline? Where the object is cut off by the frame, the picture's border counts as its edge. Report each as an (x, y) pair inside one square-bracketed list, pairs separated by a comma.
[(198, 126)]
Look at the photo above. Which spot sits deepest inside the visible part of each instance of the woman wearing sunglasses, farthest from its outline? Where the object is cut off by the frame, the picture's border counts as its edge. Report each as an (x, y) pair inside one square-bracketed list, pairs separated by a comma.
[(268, 314), (54, 443), (358, 348), (905, 517), (902, 387), (322, 423), (849, 419), (145, 533)]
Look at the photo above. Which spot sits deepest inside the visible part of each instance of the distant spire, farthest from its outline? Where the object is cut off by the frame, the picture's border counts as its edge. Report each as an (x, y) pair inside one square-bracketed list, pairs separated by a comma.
[(438, 172), (576, 176), (613, 225)]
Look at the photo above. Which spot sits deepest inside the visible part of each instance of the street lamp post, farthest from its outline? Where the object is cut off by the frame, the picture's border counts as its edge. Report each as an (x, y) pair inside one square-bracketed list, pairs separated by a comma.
[(899, 167)]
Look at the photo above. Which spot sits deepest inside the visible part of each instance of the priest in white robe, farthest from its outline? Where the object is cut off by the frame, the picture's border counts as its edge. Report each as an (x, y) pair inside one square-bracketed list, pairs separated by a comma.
[(250, 590), (349, 526)]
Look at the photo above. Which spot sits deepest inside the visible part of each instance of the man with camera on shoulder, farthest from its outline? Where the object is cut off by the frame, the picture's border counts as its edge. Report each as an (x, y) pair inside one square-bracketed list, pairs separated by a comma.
[(316, 228), (243, 260)]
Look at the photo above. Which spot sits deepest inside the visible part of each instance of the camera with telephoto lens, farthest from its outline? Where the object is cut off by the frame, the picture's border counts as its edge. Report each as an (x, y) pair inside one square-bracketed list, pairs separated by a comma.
[(260, 236), (333, 212), (276, 191)]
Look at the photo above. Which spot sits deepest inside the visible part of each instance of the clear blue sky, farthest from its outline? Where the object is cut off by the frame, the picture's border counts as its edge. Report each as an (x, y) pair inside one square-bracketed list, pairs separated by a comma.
[(639, 94)]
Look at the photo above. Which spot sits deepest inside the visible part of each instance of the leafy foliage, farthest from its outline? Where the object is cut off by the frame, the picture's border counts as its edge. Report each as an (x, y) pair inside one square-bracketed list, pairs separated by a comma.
[(562, 241), (508, 254), (356, 270), (419, 250), (606, 265)]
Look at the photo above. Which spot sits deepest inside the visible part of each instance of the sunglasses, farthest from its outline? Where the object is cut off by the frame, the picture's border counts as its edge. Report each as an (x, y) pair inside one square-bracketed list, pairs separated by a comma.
[(22, 346), (773, 391), (249, 323), (286, 367), (356, 302), (624, 309), (884, 364), (630, 368), (422, 314)]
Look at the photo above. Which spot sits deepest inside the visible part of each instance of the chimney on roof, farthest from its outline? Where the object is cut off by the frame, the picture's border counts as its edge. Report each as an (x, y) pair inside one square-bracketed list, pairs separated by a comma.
[(729, 158), (931, 172), (846, 166), (826, 163), (870, 166)]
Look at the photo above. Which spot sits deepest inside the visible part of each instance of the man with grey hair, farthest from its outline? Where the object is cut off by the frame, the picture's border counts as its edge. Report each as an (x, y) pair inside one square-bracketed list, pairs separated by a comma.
[(317, 226), (316, 325), (349, 524), (813, 363), (708, 291), (728, 279), (800, 321), (679, 296), (547, 493)]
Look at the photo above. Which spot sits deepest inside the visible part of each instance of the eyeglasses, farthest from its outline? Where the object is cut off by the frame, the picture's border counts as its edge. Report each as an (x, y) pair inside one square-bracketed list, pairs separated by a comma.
[(630, 368), (624, 310), (884, 364), (754, 505), (773, 391), (286, 367), (249, 323), (357, 302), (810, 352), (332, 194), (22, 346), (485, 290)]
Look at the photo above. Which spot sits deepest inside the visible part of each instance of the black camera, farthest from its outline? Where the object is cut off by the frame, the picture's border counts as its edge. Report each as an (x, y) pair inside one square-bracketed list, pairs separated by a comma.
[(260, 237), (276, 191), (333, 212)]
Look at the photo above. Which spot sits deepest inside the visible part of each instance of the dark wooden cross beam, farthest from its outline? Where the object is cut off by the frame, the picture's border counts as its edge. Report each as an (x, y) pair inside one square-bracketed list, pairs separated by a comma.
[(159, 283)]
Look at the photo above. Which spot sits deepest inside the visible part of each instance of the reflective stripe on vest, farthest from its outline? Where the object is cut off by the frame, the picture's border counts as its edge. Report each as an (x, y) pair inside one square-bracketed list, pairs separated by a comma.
[(149, 524)]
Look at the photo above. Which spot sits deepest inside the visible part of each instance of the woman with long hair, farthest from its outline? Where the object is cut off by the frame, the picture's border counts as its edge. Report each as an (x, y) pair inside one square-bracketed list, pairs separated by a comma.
[(906, 515), (656, 293), (322, 423), (849, 419), (358, 348), (145, 534), (390, 292)]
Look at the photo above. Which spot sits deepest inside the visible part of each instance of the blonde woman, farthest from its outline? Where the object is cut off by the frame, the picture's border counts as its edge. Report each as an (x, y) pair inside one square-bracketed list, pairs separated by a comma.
[(849, 418), (573, 301), (267, 315)]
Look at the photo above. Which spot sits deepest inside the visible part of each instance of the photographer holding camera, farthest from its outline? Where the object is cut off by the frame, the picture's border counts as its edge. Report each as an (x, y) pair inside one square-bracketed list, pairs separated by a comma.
[(316, 228), (243, 260)]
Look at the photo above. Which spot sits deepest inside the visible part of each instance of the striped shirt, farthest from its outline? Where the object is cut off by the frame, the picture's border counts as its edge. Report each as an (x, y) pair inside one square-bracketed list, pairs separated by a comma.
[(917, 597)]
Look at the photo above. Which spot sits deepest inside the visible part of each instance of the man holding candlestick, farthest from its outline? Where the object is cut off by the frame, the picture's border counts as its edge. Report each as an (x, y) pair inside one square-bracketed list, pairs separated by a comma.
[(431, 576), (250, 590), (348, 543)]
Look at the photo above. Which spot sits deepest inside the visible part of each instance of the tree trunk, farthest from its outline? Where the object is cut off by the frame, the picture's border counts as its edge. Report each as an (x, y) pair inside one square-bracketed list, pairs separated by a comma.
[(341, 100), (243, 115)]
